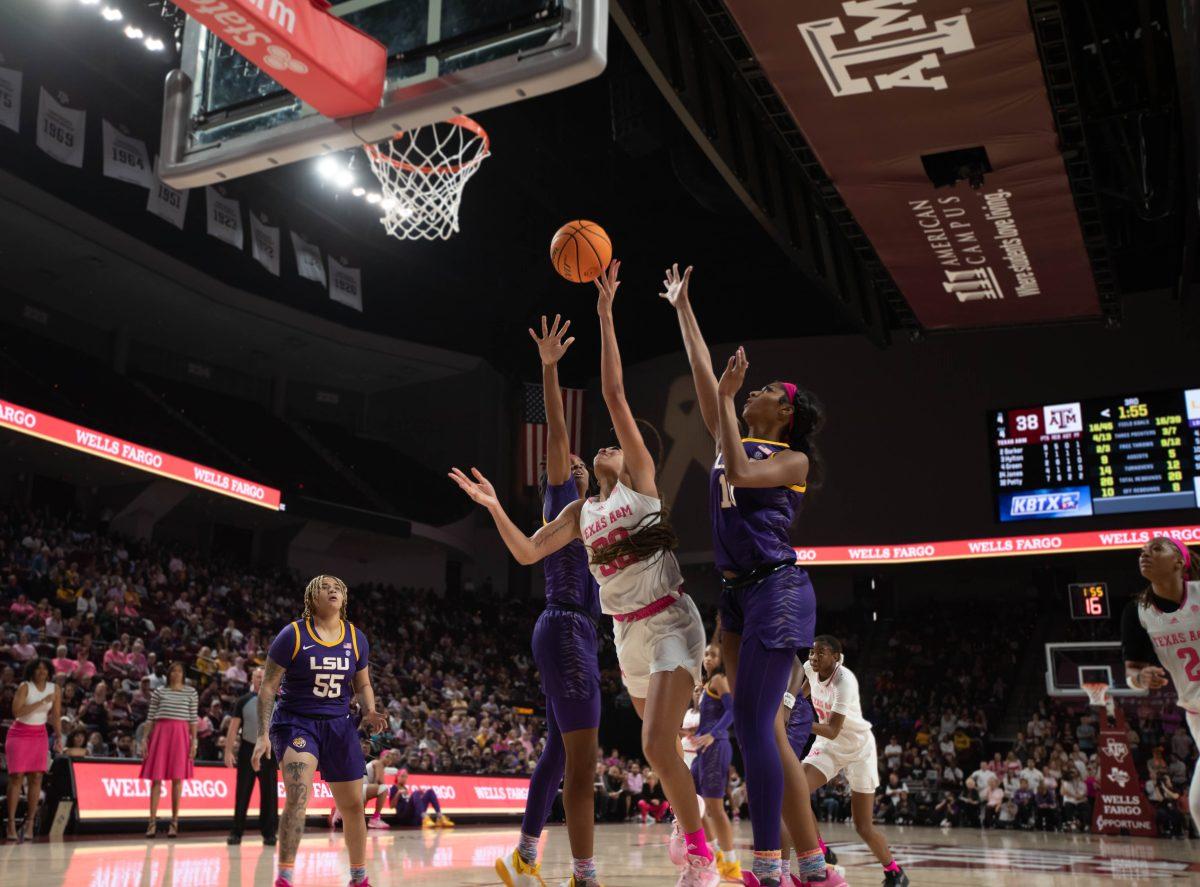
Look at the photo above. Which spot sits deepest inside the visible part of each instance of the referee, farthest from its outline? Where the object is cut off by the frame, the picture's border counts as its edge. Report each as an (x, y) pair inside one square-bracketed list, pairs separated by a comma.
[(239, 745)]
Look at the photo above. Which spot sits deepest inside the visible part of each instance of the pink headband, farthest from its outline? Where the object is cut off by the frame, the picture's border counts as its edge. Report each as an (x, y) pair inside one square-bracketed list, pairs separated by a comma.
[(1183, 552), (790, 390)]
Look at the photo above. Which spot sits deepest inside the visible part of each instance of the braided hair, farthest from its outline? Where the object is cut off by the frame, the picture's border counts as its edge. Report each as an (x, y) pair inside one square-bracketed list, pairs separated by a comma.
[(314, 586), (652, 534), (808, 417)]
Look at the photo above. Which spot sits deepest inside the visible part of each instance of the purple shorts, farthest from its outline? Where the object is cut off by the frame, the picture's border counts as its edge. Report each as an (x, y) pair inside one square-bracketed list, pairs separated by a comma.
[(799, 727), (334, 742), (780, 610), (565, 652), (710, 769)]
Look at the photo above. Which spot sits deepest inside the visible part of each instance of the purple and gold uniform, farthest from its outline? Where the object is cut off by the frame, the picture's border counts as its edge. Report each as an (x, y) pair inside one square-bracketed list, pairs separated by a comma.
[(770, 598), (312, 714), (710, 767), (799, 726)]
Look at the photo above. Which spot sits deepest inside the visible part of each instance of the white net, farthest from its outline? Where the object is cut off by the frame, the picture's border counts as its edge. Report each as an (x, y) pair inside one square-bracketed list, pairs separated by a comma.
[(423, 172), (1097, 694)]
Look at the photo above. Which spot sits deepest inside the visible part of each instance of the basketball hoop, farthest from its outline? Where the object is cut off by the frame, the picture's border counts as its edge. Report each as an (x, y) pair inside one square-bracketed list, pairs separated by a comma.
[(423, 172), (1097, 694)]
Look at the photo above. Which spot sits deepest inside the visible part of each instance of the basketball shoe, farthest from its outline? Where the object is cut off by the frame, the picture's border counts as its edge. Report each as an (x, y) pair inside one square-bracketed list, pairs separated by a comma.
[(699, 871), (514, 871)]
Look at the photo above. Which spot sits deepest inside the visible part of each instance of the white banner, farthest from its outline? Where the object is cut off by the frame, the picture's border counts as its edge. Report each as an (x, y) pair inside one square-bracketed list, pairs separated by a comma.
[(264, 244), (60, 131), (345, 284), (225, 218), (125, 158), (165, 202), (10, 99), (308, 260)]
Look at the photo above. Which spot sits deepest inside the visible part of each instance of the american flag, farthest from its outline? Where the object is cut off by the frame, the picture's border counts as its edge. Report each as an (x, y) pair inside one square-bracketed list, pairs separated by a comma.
[(533, 437)]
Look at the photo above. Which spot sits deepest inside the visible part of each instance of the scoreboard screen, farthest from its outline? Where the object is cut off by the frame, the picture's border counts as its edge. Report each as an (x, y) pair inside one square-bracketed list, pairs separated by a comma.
[(1102, 456), (1089, 600)]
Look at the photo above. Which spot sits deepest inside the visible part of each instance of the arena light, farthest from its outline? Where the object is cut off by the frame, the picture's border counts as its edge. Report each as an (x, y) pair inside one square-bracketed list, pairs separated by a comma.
[(89, 2), (359, 191), (111, 14), (133, 32), (327, 167), (374, 198), (154, 44), (343, 178)]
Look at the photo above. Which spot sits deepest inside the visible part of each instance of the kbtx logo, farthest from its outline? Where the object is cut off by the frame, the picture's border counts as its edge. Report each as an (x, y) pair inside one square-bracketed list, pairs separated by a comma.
[(1046, 503), (910, 36)]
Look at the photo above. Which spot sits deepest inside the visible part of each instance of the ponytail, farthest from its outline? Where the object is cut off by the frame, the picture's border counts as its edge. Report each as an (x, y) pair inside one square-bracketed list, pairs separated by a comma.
[(808, 417)]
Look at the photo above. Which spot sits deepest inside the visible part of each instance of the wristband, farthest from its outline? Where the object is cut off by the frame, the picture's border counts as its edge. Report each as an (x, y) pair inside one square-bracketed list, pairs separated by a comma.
[(1133, 678), (789, 701)]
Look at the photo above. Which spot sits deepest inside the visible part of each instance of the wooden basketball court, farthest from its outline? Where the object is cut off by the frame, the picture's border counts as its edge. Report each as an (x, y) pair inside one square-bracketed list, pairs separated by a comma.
[(629, 855)]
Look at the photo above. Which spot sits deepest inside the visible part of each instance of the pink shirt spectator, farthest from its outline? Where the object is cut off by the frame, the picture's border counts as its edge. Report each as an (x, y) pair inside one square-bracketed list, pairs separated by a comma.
[(114, 660), (63, 665), (21, 610), (24, 652)]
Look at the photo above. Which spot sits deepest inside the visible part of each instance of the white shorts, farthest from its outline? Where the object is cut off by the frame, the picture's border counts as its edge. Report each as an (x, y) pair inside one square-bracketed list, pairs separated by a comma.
[(860, 765), (670, 639)]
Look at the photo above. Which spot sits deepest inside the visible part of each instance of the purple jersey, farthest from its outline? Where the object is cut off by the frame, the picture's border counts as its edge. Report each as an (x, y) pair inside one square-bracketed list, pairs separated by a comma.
[(716, 714), (318, 677), (751, 524), (568, 581)]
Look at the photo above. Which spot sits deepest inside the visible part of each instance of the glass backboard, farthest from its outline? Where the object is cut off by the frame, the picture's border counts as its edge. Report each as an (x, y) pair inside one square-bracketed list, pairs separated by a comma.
[(223, 117), (1070, 665)]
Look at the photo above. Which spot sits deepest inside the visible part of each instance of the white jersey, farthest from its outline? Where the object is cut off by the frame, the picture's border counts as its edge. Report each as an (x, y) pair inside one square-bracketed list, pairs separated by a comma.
[(1176, 639), (626, 586), (839, 695)]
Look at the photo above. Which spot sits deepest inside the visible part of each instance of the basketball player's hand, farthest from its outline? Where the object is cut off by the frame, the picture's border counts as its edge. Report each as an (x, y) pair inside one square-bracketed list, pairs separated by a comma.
[(734, 375), (606, 285), (262, 749), (480, 489), (551, 346), (374, 722), (700, 743), (1152, 677), (675, 286)]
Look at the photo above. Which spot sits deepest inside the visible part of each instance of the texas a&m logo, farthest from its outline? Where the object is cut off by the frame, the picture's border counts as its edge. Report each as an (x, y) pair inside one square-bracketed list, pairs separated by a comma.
[(885, 30), (1116, 749)]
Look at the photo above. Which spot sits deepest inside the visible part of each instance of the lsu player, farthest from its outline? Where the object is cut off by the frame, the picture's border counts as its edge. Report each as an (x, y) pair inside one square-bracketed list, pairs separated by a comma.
[(1163, 624), (316, 665), (844, 743)]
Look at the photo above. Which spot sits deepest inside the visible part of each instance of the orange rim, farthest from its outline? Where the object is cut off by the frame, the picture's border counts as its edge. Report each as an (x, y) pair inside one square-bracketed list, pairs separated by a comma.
[(463, 121)]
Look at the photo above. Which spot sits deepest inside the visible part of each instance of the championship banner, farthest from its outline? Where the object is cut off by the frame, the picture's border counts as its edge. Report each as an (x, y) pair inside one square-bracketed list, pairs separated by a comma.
[(125, 158), (1121, 804), (112, 790), (166, 202), (345, 284), (114, 449), (897, 97), (60, 130), (264, 244), (996, 546), (225, 218), (308, 260), (10, 99)]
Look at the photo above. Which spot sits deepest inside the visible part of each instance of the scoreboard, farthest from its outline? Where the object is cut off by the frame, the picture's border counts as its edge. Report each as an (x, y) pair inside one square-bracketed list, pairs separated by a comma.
[(1102, 456)]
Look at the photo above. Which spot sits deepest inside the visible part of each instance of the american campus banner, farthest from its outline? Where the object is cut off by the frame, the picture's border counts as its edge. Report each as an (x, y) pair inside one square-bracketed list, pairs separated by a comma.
[(897, 96)]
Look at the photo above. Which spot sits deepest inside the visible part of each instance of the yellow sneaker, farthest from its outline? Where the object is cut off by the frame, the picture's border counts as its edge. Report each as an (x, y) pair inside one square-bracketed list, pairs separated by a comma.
[(570, 882), (445, 821), (730, 870), (428, 822), (516, 872)]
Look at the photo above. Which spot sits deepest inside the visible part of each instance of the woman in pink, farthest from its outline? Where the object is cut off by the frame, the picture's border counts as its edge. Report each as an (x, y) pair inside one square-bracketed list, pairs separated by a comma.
[(36, 705), (172, 744)]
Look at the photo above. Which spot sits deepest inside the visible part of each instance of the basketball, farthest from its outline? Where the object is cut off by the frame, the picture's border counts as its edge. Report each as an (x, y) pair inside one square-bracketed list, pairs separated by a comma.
[(580, 250)]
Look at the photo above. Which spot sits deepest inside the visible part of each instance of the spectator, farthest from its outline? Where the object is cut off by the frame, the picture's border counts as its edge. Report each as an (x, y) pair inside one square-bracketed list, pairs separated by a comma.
[(653, 802), (1074, 797), (172, 744)]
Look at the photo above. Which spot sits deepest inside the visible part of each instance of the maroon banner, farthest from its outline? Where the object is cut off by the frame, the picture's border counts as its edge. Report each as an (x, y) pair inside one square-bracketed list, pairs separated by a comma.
[(1121, 805), (880, 88)]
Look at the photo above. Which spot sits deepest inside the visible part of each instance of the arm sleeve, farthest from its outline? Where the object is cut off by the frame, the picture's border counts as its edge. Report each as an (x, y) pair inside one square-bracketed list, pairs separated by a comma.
[(1136, 645), (155, 702), (726, 717), (283, 648)]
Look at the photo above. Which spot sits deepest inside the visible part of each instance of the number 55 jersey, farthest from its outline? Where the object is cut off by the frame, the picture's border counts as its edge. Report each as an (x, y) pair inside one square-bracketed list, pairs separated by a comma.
[(318, 677)]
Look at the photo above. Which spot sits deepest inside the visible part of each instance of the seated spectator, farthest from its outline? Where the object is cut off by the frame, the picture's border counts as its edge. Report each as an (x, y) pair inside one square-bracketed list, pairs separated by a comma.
[(21, 610), (63, 664), (1023, 798), (1046, 802), (114, 663), (1074, 798), (23, 650), (633, 788), (96, 746), (969, 806), (653, 801), (236, 673), (77, 745)]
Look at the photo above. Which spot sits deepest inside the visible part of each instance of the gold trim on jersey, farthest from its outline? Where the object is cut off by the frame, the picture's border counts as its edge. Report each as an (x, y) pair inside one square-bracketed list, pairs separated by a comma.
[(296, 648), (774, 443), (354, 640), (312, 634)]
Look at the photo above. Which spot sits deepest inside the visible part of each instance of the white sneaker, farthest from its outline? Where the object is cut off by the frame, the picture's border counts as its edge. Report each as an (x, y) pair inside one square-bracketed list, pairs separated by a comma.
[(677, 846), (699, 871), (516, 872), (377, 822)]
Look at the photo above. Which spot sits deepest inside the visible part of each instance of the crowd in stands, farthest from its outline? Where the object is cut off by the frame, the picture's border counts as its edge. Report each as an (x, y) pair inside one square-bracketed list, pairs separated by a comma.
[(111, 614)]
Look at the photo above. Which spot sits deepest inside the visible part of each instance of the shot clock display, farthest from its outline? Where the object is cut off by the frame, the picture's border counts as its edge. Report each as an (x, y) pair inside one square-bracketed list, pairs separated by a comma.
[(1102, 456), (1089, 600)]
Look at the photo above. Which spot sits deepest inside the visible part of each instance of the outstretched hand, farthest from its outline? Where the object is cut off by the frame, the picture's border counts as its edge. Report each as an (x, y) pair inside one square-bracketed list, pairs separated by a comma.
[(675, 286), (1153, 677), (480, 489), (551, 346), (607, 284), (374, 722), (734, 375)]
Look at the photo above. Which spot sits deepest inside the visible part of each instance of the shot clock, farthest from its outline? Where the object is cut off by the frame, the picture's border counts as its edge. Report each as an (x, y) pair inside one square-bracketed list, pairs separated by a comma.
[(1103, 456), (1089, 600)]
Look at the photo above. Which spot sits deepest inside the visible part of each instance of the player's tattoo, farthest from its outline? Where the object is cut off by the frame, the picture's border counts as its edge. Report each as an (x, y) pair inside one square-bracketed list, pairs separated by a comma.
[(292, 822), (272, 674)]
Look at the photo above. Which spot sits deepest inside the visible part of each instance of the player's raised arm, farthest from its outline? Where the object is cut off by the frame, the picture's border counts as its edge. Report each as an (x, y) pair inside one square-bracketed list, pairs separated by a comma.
[(525, 549), (612, 383), (675, 291), (551, 347), (786, 468)]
